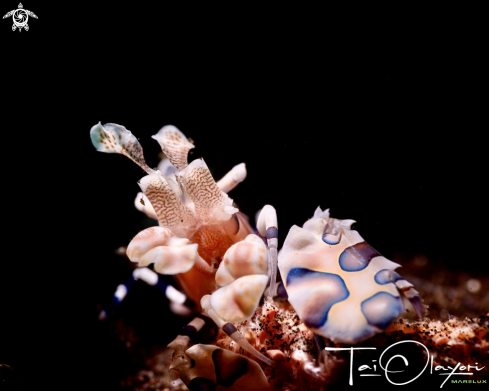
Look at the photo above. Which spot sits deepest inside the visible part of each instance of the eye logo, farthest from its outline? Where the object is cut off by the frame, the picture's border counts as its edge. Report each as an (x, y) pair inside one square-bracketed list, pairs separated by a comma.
[(20, 16)]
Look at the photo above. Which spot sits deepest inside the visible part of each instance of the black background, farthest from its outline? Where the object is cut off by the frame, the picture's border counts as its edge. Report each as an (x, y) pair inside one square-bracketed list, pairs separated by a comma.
[(380, 118)]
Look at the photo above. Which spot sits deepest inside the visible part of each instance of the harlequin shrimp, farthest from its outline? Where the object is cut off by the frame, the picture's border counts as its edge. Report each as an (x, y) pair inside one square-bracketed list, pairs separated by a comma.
[(339, 286)]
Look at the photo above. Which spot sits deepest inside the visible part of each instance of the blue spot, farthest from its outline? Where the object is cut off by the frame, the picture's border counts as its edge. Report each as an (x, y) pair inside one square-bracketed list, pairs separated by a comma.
[(382, 277), (323, 290), (385, 276), (297, 274), (357, 257), (331, 239), (381, 309)]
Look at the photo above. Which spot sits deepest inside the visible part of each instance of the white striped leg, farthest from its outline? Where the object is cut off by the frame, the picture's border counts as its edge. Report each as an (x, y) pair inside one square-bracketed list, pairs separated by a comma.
[(408, 290), (151, 278), (237, 337), (266, 226), (232, 332), (189, 333), (193, 328)]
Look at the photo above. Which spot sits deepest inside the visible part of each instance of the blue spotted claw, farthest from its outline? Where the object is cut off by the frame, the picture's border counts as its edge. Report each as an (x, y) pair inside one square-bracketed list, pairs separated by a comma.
[(338, 284)]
